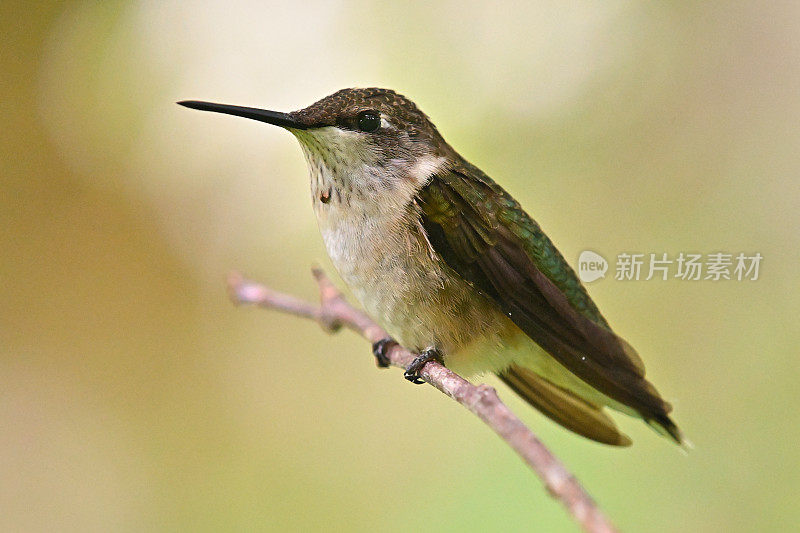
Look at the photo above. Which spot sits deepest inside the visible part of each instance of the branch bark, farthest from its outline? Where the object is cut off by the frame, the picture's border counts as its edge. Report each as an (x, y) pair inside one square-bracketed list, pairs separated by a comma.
[(334, 312)]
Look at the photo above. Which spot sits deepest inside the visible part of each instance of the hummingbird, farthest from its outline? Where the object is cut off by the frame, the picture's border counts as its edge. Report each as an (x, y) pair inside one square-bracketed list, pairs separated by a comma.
[(453, 268)]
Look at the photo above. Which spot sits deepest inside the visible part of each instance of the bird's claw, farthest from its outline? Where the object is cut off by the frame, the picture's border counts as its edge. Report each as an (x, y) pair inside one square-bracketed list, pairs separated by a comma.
[(380, 349), (412, 372)]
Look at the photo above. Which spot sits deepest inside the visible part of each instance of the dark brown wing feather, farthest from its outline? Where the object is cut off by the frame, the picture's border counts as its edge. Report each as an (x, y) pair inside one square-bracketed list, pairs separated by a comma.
[(486, 237)]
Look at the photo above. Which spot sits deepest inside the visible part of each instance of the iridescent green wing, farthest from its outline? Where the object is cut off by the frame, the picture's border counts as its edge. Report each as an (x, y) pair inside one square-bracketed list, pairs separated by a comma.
[(483, 234)]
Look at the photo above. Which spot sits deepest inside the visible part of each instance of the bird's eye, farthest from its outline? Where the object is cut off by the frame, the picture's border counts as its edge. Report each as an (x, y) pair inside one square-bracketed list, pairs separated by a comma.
[(369, 121)]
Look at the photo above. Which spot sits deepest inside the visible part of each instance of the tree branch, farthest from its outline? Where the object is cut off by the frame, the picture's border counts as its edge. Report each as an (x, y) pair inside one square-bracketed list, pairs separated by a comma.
[(334, 313)]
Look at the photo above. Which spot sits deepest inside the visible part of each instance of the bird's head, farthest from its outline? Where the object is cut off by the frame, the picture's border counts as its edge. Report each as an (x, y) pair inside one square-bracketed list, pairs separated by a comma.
[(364, 139)]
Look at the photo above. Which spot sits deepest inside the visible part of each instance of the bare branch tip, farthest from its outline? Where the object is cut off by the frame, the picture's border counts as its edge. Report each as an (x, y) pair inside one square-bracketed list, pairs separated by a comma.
[(327, 290), (234, 283)]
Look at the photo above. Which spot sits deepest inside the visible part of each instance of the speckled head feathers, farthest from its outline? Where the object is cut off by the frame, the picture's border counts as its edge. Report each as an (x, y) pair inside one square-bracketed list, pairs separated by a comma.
[(342, 107)]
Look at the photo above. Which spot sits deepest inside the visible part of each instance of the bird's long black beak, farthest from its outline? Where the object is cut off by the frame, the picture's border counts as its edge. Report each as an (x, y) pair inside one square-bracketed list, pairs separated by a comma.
[(283, 120)]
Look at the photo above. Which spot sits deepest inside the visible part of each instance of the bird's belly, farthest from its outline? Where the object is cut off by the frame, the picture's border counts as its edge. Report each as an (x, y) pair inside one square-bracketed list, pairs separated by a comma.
[(421, 302)]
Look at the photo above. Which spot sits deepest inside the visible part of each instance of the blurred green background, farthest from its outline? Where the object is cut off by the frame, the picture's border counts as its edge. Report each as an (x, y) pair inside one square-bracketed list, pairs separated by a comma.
[(135, 397)]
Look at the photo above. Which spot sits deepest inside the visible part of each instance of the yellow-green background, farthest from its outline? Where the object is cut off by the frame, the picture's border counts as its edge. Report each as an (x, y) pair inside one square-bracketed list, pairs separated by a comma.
[(134, 397)]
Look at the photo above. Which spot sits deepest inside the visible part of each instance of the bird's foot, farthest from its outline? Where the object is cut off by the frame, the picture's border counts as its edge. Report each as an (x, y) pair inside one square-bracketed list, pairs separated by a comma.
[(380, 349), (412, 372)]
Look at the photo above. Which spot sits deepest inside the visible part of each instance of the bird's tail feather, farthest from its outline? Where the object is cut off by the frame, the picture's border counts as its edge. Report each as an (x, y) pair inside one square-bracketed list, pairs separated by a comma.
[(664, 425), (564, 407)]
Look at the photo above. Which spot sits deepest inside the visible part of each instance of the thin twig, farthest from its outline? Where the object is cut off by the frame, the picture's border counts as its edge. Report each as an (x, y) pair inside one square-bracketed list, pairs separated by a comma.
[(334, 312)]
